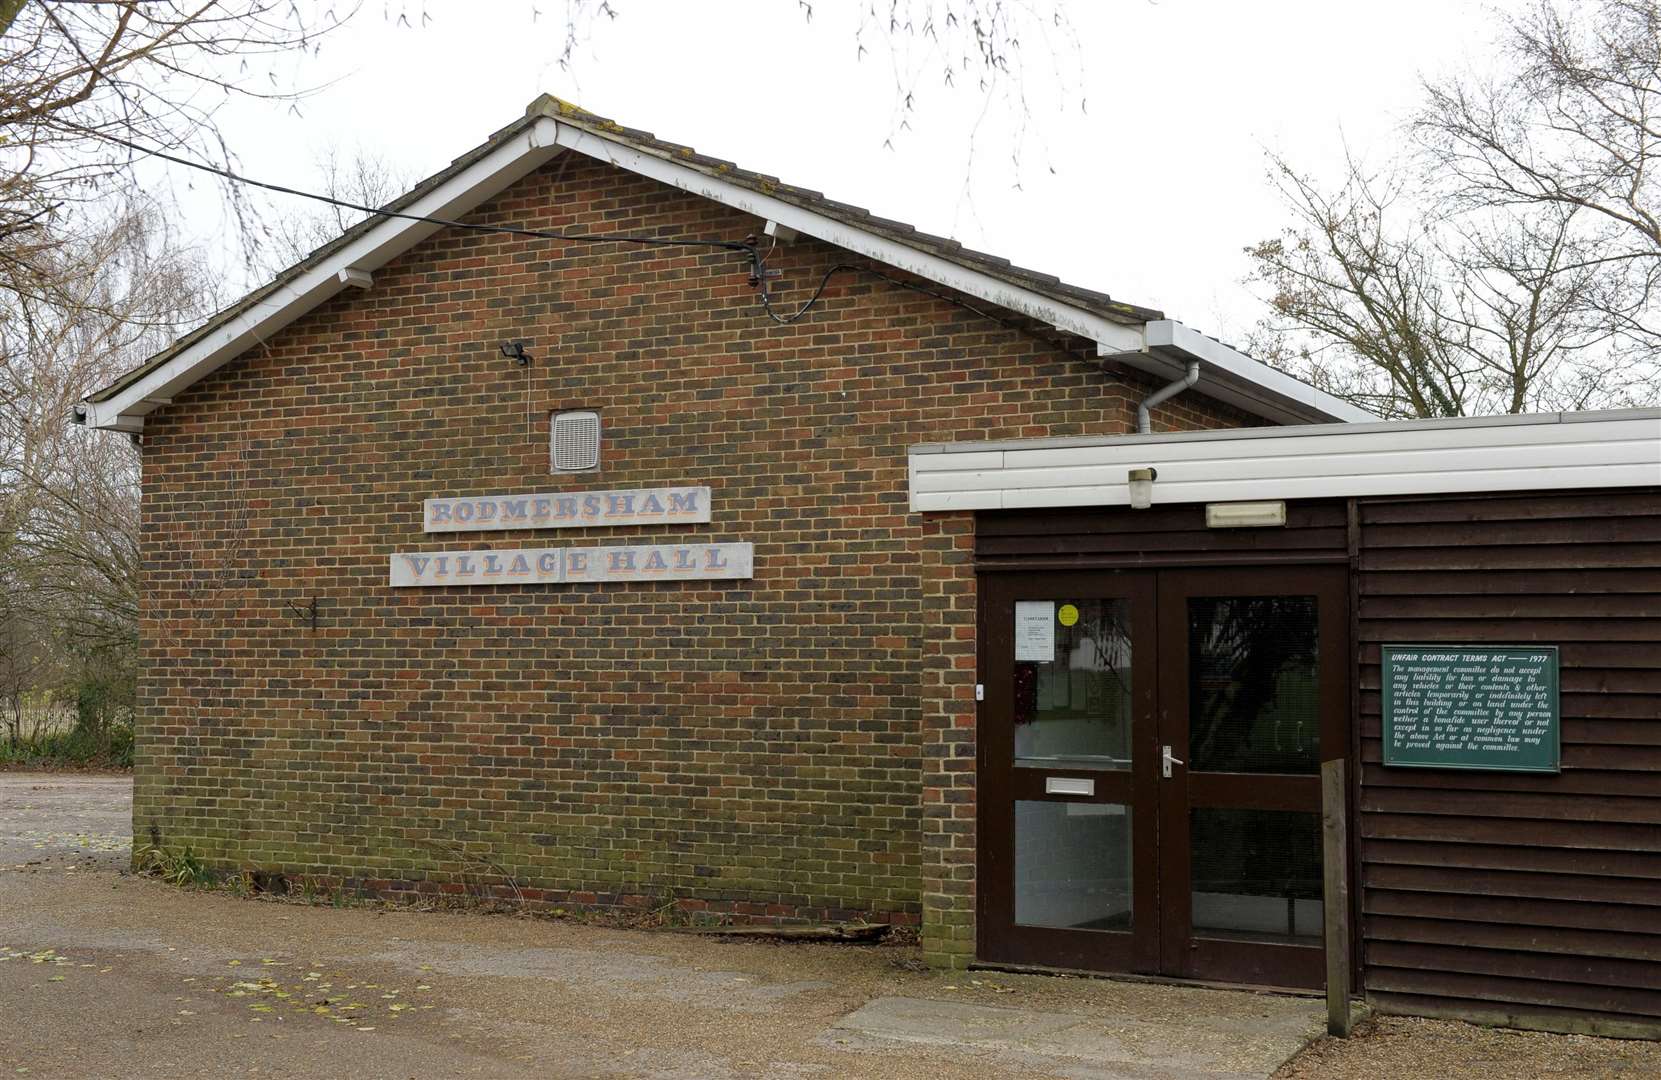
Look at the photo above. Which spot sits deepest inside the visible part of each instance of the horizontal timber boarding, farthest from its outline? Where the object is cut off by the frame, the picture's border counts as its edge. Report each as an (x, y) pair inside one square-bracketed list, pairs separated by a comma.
[(1501, 895), (1158, 536)]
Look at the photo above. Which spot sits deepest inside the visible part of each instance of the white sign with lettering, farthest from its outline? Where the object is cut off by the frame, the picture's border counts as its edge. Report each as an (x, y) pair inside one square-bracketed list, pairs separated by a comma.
[(554, 566), (1035, 631), (571, 509)]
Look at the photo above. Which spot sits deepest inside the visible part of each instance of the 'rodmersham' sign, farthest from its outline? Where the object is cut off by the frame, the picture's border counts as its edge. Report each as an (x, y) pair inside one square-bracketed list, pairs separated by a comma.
[(599, 509), (541, 566)]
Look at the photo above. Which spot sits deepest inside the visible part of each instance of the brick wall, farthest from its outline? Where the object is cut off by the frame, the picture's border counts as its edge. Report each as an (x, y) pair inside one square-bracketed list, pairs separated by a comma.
[(798, 744)]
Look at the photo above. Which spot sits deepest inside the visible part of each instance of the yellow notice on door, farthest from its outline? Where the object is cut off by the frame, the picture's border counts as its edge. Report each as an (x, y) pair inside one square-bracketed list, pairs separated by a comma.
[(1067, 616)]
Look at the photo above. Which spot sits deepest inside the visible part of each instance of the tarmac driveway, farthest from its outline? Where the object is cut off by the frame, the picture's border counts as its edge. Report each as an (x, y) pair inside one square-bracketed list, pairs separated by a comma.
[(106, 974), (109, 975)]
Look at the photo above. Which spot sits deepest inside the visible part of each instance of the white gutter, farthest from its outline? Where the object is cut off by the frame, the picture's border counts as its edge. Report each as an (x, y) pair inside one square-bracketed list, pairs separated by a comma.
[(1161, 347), (893, 253), (1234, 378)]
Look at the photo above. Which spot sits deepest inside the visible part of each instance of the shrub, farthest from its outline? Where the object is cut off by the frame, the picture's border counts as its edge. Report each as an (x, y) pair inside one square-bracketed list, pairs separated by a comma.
[(79, 746)]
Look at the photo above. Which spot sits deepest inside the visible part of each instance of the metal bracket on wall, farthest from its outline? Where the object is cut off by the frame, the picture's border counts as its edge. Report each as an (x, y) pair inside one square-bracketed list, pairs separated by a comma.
[(304, 612)]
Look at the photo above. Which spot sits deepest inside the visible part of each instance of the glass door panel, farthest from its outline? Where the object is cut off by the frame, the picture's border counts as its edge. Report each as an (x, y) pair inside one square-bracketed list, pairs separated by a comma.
[(1072, 683), (1073, 865), (1253, 694), (1256, 874)]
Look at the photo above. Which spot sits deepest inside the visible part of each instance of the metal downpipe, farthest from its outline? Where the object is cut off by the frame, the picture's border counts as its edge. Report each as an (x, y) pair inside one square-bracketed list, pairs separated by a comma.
[(1144, 421)]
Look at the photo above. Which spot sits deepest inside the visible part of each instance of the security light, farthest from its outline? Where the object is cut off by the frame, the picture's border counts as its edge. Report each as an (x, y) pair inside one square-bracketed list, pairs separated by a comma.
[(1141, 487), (515, 350)]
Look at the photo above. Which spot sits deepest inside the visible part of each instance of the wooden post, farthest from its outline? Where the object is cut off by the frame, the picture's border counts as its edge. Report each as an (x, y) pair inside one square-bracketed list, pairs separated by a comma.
[(1335, 855)]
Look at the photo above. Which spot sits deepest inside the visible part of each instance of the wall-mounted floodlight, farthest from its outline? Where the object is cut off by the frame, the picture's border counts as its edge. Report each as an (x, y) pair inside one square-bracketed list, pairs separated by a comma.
[(1141, 487), (1244, 515), (515, 350)]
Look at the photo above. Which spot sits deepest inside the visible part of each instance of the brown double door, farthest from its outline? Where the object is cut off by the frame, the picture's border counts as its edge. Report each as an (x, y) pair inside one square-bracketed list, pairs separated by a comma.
[(1149, 768)]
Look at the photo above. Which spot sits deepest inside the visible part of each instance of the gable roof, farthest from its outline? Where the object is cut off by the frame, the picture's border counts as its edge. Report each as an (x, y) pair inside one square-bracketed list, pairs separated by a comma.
[(1138, 336)]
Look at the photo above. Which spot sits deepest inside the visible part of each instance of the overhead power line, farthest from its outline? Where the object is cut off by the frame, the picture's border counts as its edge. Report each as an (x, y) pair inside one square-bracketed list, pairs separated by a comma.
[(378, 211), (759, 273)]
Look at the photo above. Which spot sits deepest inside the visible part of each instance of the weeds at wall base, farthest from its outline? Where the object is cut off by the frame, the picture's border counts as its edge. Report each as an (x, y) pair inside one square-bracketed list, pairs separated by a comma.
[(184, 869)]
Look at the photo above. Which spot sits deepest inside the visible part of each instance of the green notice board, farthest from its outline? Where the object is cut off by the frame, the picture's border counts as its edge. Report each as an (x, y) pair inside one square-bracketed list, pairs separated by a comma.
[(1471, 707)]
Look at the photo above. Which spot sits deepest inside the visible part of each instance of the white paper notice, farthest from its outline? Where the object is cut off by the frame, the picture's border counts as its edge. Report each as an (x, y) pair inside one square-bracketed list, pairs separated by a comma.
[(1035, 631)]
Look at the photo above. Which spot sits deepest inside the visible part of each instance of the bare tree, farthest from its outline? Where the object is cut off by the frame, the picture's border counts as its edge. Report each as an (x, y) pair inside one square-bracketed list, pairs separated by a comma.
[(1509, 261), (976, 47), (1572, 122), (68, 496), (364, 179), (1379, 295), (91, 283), (82, 83)]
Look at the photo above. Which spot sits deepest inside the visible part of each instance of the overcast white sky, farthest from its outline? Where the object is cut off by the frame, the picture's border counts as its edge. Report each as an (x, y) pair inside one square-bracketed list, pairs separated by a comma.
[(1155, 189)]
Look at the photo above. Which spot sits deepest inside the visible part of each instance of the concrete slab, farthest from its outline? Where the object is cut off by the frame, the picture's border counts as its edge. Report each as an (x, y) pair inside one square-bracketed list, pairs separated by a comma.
[(1243, 1037)]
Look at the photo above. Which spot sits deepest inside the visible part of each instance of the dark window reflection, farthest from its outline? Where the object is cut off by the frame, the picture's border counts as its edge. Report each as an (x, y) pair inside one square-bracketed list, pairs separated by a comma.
[(1257, 874), (1254, 695)]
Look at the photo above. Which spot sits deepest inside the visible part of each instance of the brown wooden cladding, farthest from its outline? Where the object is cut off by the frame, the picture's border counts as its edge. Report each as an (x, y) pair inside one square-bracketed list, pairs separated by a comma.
[(1506, 897), (1519, 897), (1159, 536)]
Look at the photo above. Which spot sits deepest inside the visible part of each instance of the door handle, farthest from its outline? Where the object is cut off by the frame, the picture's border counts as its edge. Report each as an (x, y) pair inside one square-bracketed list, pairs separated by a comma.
[(1166, 761)]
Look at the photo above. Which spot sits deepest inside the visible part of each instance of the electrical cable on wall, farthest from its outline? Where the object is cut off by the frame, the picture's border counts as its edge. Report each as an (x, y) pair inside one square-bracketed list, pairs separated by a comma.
[(759, 274)]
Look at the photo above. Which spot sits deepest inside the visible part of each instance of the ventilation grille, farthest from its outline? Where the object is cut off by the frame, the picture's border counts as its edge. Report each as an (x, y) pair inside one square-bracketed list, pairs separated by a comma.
[(575, 442)]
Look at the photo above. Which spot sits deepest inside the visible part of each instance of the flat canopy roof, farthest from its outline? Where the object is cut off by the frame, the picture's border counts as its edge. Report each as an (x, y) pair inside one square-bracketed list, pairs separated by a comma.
[(1544, 451)]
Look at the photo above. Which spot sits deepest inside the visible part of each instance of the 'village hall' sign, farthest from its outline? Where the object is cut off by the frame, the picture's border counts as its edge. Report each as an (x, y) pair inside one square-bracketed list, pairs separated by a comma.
[(558, 566)]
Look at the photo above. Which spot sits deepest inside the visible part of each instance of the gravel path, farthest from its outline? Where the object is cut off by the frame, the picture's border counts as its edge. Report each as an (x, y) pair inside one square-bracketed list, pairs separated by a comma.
[(1408, 1048)]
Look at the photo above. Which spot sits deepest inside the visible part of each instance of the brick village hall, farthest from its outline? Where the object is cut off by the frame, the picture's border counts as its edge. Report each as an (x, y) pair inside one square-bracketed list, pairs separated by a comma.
[(968, 599)]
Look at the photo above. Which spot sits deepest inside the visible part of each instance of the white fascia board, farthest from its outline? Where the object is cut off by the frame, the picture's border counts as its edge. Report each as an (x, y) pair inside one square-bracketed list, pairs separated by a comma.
[(1612, 449), (514, 159), (1447, 483), (1111, 335), (1245, 383)]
